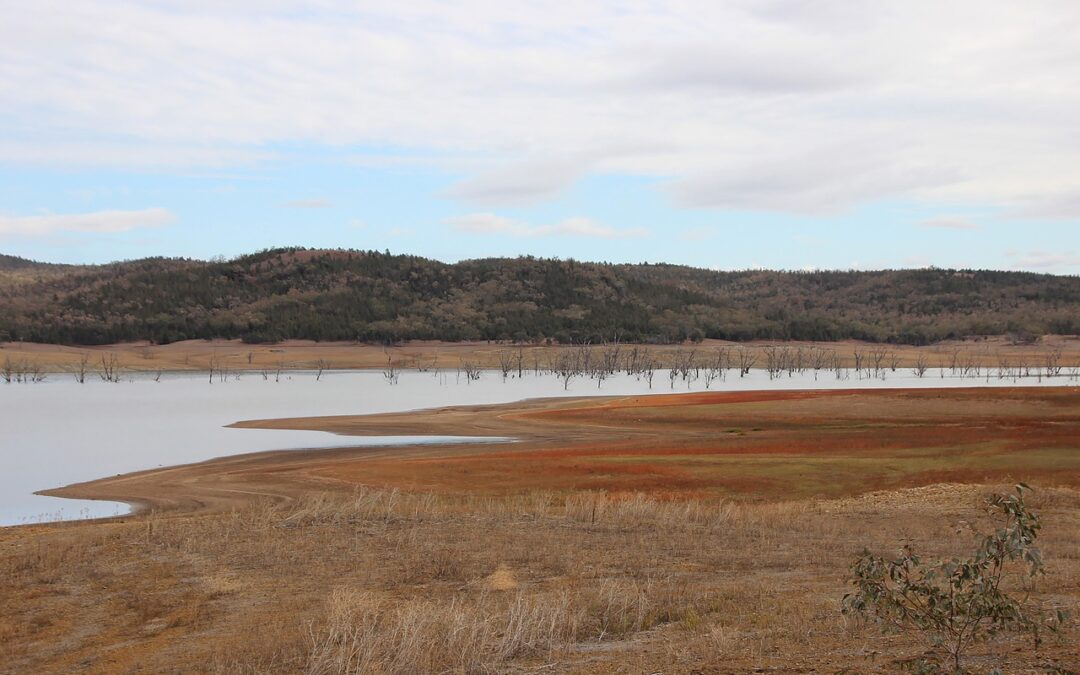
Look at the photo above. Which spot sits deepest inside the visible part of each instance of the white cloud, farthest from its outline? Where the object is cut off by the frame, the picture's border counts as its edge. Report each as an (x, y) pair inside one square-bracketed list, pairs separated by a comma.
[(824, 181), (1061, 206), (96, 222), (1046, 260), (490, 223), (950, 223), (745, 104), (520, 184), (43, 151), (726, 68)]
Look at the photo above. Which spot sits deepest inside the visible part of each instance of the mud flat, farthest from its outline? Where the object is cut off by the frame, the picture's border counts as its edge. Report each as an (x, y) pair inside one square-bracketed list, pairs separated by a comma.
[(745, 445)]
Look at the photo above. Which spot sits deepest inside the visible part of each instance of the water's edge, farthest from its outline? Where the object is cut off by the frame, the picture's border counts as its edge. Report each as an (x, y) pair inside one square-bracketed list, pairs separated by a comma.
[(119, 428)]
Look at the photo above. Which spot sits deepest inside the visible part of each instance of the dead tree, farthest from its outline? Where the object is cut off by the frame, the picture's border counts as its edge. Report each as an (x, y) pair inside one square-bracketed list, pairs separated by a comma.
[(894, 360), (110, 368), (717, 368), (859, 358), (390, 372), (35, 373), (609, 357), (472, 371), (837, 366), (818, 358), (1004, 367), (648, 371), (585, 357), (633, 361), (567, 366), (423, 366), (684, 366), (747, 359), (773, 360), (1053, 363), (921, 366), (506, 363), (877, 359), (81, 367), (966, 365)]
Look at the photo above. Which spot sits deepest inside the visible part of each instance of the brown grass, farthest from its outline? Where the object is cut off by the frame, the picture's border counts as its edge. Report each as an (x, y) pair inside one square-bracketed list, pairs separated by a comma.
[(390, 582), (341, 566), (234, 355)]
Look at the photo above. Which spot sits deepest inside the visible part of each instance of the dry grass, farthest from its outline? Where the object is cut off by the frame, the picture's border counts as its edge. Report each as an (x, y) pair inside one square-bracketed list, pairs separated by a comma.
[(386, 581), (523, 570), (234, 355)]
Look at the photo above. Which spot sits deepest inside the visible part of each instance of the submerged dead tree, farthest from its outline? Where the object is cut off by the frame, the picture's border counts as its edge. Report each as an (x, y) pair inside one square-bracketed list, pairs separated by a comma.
[(747, 359), (110, 368), (81, 367), (390, 372), (471, 369)]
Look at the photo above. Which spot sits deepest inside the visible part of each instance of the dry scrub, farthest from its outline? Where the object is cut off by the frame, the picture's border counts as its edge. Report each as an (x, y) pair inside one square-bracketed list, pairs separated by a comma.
[(385, 581), (736, 559), (993, 358)]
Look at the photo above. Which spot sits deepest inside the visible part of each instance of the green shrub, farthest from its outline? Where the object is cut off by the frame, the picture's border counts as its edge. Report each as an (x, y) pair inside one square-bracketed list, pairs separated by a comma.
[(958, 602)]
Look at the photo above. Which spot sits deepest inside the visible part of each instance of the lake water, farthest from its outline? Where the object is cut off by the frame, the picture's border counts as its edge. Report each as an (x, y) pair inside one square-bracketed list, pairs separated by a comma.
[(59, 432)]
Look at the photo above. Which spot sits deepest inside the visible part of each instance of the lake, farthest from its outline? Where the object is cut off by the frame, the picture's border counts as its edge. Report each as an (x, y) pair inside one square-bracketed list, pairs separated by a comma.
[(59, 432)]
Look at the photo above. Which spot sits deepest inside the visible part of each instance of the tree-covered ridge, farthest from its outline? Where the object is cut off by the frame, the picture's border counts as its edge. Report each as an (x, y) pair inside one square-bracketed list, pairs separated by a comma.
[(372, 296), (10, 262)]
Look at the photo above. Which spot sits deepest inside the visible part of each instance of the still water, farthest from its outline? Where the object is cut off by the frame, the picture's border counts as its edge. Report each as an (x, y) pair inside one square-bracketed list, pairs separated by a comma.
[(59, 432)]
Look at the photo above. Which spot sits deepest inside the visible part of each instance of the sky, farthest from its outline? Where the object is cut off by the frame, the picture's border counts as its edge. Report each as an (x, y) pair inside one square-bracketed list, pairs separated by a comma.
[(727, 134)]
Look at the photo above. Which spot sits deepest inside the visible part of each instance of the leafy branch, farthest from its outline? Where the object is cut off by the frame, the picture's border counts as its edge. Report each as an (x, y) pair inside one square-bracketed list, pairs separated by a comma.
[(958, 602)]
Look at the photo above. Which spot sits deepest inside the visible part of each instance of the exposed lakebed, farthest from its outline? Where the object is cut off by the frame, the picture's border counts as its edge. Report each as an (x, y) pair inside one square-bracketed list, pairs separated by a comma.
[(59, 431)]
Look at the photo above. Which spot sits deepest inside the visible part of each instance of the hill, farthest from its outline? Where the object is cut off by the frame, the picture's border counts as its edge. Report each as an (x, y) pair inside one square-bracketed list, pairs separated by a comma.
[(11, 263), (371, 296), (15, 270)]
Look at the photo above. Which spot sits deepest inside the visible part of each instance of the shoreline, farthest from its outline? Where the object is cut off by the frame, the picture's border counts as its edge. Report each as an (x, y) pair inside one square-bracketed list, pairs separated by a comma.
[(712, 493), (540, 428), (159, 489)]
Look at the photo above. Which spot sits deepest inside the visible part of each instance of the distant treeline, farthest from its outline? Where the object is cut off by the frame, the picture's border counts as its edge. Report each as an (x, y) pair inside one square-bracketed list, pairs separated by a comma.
[(378, 297)]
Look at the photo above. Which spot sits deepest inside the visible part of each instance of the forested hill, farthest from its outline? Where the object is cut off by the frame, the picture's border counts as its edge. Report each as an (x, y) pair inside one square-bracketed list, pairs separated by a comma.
[(370, 296), (10, 263)]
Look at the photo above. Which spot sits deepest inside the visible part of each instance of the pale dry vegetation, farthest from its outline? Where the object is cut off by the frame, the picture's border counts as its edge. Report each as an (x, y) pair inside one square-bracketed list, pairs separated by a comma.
[(384, 581), (994, 359)]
